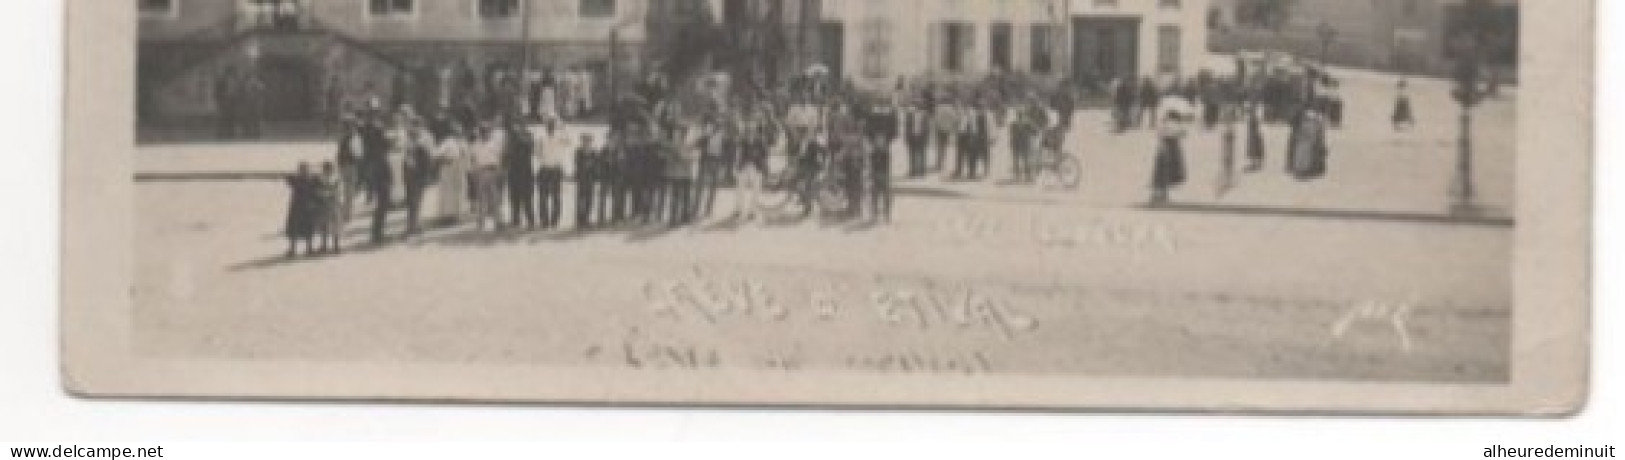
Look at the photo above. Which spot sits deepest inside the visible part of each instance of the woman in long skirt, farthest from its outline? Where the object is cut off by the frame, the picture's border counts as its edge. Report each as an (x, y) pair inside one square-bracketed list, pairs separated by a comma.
[(1255, 140), (453, 154), (300, 225), (1306, 159), (1227, 158), (1169, 170)]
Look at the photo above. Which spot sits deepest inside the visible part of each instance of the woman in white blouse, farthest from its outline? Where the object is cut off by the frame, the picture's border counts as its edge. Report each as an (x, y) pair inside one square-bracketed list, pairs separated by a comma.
[(453, 155)]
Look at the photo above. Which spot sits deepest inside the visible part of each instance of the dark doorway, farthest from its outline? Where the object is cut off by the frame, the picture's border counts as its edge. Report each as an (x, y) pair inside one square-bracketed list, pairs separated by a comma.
[(1106, 48), (832, 47), (290, 88)]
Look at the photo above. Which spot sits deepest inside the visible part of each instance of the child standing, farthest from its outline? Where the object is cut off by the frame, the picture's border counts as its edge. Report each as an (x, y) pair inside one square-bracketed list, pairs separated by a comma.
[(300, 225), (331, 217)]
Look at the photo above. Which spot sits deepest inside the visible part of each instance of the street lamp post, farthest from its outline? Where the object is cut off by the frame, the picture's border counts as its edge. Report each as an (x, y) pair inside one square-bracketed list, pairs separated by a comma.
[(1461, 190), (614, 67), (1467, 95)]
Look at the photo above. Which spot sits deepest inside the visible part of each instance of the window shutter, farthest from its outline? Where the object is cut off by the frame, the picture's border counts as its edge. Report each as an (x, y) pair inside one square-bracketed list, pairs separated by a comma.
[(967, 55)]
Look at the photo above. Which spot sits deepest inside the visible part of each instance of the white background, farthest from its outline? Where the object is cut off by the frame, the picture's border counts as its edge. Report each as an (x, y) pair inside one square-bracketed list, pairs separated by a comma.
[(34, 410)]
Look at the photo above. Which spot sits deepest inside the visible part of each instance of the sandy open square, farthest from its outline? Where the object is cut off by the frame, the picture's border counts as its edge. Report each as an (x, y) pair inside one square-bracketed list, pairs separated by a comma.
[(1358, 276)]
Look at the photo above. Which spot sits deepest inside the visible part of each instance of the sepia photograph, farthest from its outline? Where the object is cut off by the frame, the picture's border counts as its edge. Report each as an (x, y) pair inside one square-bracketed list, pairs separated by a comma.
[(731, 201)]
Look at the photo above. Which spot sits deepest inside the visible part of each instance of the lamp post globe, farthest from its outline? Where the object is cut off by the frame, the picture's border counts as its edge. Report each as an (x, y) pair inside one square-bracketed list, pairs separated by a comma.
[(1468, 95)]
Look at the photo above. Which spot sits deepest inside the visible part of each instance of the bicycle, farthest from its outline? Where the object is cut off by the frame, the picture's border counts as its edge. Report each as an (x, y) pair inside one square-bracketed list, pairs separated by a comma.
[(1055, 167), (796, 191)]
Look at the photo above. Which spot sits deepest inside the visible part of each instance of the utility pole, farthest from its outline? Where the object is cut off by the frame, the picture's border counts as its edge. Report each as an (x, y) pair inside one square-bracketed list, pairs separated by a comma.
[(524, 39), (614, 68)]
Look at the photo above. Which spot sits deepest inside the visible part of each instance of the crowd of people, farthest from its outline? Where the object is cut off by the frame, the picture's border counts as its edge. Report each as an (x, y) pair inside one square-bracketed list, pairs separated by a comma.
[(1305, 98), (671, 148)]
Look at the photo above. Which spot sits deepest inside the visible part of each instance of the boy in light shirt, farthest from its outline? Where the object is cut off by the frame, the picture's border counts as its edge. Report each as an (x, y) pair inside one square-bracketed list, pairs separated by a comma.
[(553, 145)]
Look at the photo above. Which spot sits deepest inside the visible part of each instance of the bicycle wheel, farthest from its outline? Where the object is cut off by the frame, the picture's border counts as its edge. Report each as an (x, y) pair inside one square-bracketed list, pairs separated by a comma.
[(778, 193), (832, 198)]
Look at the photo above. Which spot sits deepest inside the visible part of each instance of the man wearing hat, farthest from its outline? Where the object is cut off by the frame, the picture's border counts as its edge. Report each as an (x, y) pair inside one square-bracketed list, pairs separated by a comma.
[(417, 169), (518, 162), (376, 173)]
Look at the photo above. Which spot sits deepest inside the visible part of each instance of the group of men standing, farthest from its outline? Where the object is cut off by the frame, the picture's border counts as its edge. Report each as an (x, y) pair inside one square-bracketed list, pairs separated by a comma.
[(941, 121)]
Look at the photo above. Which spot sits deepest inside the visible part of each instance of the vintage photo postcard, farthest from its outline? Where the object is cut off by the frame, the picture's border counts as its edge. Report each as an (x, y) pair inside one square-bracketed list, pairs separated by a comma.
[(1306, 206)]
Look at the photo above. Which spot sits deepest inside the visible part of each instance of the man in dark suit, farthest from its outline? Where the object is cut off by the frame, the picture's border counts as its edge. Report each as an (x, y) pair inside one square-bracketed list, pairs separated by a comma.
[(380, 180), (880, 193), (1127, 95), (882, 120), (1066, 106), (981, 162), (974, 134), (917, 135), (632, 164), (1150, 99), (609, 179), (587, 164), (418, 169), (518, 162)]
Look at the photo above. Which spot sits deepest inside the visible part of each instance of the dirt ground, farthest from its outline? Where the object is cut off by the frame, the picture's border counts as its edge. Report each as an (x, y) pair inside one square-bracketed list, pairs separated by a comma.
[(1358, 276)]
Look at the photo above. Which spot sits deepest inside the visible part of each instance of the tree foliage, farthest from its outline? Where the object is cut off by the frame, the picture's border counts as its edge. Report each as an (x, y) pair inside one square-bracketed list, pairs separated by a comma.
[(689, 37), (1270, 14), (1483, 30)]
